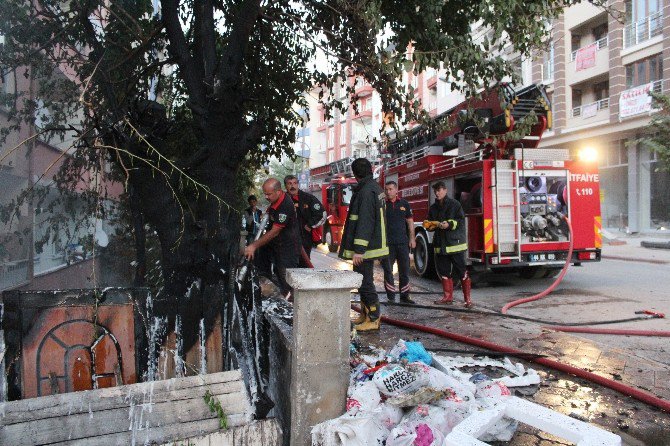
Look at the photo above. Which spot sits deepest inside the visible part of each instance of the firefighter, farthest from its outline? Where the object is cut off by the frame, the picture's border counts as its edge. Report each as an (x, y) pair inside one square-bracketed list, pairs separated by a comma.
[(252, 218), (400, 238), (447, 219), (282, 237), (309, 210), (364, 239)]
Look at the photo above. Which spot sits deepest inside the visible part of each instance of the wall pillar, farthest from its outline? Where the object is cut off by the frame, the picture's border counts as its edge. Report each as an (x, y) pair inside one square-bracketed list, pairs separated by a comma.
[(320, 354), (633, 190)]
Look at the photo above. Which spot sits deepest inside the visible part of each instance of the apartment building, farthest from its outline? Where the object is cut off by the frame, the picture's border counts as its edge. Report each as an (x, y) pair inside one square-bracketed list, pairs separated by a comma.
[(598, 72), (27, 162)]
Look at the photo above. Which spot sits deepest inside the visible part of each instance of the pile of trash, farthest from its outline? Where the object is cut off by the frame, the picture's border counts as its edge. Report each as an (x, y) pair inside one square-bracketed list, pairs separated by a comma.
[(408, 397)]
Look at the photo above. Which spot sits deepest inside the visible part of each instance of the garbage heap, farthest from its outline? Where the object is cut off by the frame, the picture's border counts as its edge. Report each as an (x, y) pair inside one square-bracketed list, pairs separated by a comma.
[(406, 396)]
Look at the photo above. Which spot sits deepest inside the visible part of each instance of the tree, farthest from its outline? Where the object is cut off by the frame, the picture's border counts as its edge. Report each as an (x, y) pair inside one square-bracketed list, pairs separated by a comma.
[(179, 100), (657, 132)]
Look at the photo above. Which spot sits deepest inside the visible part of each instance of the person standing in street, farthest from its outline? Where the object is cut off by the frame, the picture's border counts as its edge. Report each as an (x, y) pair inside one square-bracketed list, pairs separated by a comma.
[(252, 217), (310, 212), (400, 238), (282, 237), (447, 219), (364, 240)]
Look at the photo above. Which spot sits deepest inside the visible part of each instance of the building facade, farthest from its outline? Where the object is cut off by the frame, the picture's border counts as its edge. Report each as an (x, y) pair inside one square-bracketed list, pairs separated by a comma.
[(598, 72)]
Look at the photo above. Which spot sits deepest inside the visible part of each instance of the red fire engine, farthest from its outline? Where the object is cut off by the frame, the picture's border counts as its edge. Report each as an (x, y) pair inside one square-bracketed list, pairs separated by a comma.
[(514, 194)]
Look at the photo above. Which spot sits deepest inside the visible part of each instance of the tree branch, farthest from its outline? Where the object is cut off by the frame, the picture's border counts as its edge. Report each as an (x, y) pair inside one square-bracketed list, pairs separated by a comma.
[(178, 48), (230, 69)]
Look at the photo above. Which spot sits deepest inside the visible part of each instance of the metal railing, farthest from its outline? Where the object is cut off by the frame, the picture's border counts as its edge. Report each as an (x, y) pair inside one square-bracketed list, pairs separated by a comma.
[(644, 29), (600, 105), (602, 43), (13, 273)]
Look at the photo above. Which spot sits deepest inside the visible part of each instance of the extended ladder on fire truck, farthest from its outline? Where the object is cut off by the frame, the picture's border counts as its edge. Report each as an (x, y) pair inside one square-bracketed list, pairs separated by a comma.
[(506, 210)]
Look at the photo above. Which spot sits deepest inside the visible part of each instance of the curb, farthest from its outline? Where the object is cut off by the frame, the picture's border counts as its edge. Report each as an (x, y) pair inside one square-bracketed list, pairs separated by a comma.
[(635, 259)]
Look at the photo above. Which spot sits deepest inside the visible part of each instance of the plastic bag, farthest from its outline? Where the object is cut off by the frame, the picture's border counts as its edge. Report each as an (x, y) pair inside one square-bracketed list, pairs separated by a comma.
[(441, 419), (394, 379), (413, 433), (415, 351), (363, 397), (349, 430)]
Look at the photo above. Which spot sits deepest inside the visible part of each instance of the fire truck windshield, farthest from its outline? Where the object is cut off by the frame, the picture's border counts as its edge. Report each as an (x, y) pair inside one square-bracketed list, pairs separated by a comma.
[(347, 192)]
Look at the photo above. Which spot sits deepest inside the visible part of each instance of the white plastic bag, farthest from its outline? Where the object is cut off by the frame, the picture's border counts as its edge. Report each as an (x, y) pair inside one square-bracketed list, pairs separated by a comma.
[(363, 397), (394, 379), (413, 433), (348, 430)]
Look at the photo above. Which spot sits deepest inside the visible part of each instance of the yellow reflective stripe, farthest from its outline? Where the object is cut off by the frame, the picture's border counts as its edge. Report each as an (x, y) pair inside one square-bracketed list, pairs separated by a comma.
[(453, 223), (450, 249), (374, 253), (361, 242), (353, 217), (347, 254)]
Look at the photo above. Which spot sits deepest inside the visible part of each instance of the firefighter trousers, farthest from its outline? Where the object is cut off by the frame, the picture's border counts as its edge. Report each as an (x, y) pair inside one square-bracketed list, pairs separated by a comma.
[(369, 296), (451, 265), (397, 253)]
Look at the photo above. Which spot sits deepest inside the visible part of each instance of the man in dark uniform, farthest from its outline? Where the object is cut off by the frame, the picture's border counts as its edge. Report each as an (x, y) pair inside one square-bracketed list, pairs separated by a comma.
[(282, 237), (310, 213), (447, 219), (400, 239), (252, 216), (364, 240)]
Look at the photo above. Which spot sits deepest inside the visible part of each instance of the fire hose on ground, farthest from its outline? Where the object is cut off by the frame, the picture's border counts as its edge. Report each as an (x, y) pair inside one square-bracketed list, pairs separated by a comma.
[(592, 377), (597, 379), (590, 330)]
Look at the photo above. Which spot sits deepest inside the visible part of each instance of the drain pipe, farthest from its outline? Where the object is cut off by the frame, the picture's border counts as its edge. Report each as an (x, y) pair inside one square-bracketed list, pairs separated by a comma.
[(597, 379)]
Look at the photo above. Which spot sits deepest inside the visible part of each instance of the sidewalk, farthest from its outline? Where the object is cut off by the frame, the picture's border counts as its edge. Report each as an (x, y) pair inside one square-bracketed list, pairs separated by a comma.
[(620, 246)]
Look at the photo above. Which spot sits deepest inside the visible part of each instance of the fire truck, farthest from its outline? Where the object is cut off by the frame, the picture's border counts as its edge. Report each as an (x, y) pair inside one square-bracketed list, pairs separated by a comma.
[(515, 195)]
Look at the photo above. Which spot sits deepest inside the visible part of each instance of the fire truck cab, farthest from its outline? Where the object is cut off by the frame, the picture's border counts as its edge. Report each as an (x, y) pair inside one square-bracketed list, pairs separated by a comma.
[(516, 196)]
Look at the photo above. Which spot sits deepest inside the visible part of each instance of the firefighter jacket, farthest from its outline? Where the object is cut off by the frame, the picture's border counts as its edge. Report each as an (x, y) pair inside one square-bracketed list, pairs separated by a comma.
[(447, 241), (365, 228), (310, 213)]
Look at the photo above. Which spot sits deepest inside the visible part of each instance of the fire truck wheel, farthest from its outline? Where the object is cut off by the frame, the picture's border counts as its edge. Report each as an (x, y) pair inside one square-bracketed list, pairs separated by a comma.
[(328, 240), (424, 263), (532, 272)]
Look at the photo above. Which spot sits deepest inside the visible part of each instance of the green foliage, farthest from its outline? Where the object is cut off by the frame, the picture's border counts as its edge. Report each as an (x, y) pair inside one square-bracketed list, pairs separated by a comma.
[(657, 132), (227, 78), (215, 407)]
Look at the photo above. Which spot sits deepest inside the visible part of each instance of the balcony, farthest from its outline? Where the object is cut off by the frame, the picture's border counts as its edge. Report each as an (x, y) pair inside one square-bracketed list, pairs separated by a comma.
[(590, 110), (431, 83), (363, 89), (642, 30), (600, 44), (13, 273), (593, 61)]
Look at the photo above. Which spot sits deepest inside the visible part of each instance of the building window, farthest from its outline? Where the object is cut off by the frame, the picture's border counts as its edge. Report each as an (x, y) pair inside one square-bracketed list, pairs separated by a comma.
[(602, 90), (548, 63), (576, 97), (343, 153), (331, 156), (343, 134), (331, 137), (644, 71), (644, 20)]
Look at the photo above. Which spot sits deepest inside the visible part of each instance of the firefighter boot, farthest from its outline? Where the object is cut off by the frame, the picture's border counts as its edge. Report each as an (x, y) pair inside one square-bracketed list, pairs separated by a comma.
[(448, 288), (372, 319), (405, 299), (362, 315), (466, 284)]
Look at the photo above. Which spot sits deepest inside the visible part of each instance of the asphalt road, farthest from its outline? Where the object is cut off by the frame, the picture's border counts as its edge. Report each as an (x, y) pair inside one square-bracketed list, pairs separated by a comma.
[(610, 289)]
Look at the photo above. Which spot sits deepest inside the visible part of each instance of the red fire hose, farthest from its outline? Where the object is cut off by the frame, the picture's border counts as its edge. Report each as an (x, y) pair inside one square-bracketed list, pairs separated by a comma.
[(556, 282), (609, 331), (609, 383)]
